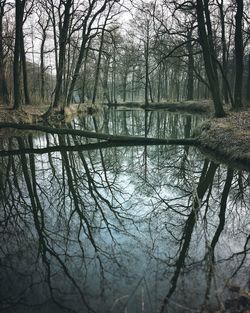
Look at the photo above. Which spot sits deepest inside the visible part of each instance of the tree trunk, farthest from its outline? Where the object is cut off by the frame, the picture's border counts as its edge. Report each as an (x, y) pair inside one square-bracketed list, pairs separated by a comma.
[(239, 50), (130, 140), (190, 79), (146, 53), (209, 57), (54, 23), (150, 91), (17, 52), (42, 69), (125, 87), (105, 79), (224, 53), (63, 37), (113, 83), (85, 38), (4, 95), (133, 83), (44, 28), (166, 72), (159, 84), (248, 81), (83, 92), (24, 68), (98, 66)]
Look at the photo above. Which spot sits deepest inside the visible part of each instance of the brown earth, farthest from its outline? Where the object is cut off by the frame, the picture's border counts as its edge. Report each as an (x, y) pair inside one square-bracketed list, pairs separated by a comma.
[(228, 137), (27, 114)]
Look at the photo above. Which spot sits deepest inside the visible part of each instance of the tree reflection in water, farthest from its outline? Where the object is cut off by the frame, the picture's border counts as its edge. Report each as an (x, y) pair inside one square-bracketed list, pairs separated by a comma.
[(100, 231)]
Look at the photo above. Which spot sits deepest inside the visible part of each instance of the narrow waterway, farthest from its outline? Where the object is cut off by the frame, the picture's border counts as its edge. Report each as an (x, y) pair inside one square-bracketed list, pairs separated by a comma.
[(120, 229)]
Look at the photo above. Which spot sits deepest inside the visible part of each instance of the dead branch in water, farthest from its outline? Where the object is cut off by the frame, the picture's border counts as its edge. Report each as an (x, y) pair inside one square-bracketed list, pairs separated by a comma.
[(107, 137)]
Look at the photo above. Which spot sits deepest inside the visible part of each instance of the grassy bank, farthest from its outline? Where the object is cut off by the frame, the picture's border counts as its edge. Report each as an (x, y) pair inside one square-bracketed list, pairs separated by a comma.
[(228, 137)]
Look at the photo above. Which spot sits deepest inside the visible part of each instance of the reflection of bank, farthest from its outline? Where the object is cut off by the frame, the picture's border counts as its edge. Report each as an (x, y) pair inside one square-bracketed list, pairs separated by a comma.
[(84, 230)]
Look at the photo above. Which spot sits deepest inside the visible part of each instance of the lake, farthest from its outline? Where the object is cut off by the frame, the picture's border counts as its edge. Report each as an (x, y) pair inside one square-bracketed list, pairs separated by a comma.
[(95, 228)]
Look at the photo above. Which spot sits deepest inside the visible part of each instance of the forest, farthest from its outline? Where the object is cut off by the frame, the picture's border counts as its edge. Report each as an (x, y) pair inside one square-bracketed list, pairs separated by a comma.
[(63, 52)]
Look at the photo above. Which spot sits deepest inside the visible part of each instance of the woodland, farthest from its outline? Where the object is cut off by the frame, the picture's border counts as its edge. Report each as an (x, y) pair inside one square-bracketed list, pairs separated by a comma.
[(110, 51)]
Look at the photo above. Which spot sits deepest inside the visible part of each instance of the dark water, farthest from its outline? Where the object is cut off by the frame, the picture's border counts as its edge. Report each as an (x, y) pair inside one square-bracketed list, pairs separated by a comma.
[(120, 229)]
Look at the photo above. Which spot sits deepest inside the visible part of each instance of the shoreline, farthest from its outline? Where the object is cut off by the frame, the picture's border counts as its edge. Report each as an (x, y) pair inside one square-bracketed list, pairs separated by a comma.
[(192, 106), (224, 139), (227, 138)]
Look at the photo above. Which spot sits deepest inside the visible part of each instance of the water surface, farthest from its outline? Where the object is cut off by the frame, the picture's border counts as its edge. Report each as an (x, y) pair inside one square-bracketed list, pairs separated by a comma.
[(121, 229)]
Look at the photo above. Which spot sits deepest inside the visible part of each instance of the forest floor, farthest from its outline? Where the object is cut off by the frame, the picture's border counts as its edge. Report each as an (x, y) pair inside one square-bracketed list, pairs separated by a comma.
[(228, 137), (28, 114)]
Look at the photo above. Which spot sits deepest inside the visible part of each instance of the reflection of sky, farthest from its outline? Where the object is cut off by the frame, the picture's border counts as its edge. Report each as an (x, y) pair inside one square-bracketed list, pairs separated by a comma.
[(151, 191), (160, 124)]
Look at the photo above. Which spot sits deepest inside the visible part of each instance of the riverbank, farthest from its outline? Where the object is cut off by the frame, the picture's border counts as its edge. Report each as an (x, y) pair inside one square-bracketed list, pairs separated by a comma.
[(31, 114), (228, 137), (192, 106), (28, 114)]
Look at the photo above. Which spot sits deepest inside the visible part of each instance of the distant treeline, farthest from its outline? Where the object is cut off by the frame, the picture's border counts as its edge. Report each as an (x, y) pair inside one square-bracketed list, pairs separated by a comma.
[(59, 52)]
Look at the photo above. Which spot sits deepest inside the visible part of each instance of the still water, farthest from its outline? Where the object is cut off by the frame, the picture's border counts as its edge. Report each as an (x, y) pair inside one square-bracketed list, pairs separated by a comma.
[(120, 229)]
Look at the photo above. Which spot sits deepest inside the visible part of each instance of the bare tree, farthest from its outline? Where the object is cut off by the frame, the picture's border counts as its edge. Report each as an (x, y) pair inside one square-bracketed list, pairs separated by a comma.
[(4, 94), (19, 13), (206, 41), (239, 53), (63, 37), (44, 25), (88, 30), (98, 65)]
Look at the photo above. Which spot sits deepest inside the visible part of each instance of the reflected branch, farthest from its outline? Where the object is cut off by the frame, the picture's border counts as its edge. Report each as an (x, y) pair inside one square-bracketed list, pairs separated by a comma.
[(206, 180)]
